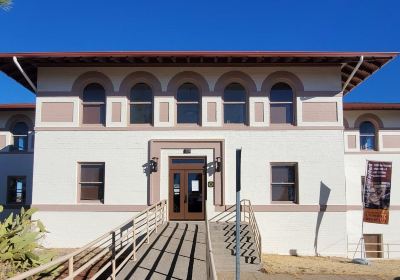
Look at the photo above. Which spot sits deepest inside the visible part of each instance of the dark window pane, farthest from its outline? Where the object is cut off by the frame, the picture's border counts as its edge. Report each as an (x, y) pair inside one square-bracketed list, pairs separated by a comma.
[(141, 93), (187, 92), (195, 197), (141, 113), (367, 128), (93, 114), (177, 193), (283, 193), (187, 160), (281, 92), (91, 191), (20, 143), (367, 142), (92, 173), (283, 174), (234, 93), (20, 128), (188, 113), (281, 113), (94, 93), (16, 190), (234, 113)]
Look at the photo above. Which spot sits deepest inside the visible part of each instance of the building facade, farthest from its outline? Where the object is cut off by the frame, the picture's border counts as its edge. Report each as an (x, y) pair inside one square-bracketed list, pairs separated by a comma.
[(114, 134)]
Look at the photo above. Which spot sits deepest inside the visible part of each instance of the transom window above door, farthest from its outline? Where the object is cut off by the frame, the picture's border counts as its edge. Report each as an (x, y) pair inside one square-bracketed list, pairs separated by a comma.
[(235, 104), (141, 104), (188, 104)]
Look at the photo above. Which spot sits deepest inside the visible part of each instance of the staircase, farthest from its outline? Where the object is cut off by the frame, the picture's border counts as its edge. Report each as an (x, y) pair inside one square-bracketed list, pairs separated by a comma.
[(223, 239)]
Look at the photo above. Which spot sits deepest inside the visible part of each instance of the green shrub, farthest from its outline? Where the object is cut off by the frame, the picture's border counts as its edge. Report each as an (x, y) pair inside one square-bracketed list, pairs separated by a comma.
[(19, 242)]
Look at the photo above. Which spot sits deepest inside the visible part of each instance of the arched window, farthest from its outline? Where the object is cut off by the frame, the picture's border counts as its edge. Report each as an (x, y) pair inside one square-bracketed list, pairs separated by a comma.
[(188, 103), (94, 104), (141, 104), (281, 104), (235, 104), (20, 136), (367, 136)]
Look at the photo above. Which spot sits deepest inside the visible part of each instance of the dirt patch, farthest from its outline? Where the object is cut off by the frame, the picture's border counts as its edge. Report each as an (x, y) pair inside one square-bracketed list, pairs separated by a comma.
[(277, 264)]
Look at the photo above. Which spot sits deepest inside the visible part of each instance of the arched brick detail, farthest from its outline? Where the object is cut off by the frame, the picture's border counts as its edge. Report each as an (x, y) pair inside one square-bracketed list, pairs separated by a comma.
[(19, 118), (374, 119), (235, 77), (92, 77), (188, 77), (282, 77), (139, 77)]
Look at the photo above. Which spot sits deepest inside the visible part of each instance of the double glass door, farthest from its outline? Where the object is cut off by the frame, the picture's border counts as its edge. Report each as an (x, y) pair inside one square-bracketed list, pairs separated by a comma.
[(186, 189)]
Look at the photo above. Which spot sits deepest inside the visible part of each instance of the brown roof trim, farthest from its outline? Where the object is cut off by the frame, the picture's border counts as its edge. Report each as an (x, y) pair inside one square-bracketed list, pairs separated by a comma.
[(17, 106), (371, 106), (373, 61)]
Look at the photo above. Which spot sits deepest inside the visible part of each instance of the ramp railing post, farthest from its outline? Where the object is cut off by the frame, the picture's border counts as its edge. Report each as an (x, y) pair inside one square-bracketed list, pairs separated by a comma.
[(113, 256), (147, 225)]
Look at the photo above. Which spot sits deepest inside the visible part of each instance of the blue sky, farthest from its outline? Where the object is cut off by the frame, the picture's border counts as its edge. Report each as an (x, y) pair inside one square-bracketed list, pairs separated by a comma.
[(332, 25)]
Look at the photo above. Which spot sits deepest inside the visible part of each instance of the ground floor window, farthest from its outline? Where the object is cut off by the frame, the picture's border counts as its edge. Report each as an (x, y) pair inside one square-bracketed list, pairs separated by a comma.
[(91, 182), (16, 189), (283, 182), (373, 245)]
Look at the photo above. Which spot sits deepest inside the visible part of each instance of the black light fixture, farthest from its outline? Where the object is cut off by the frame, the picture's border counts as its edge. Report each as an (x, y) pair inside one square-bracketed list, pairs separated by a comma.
[(154, 164), (218, 164)]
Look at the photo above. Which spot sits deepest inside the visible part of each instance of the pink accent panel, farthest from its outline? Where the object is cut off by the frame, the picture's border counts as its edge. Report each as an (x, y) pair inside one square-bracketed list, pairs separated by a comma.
[(211, 111), (164, 112), (391, 141), (320, 112), (351, 141), (116, 112), (2, 141), (57, 111), (259, 112)]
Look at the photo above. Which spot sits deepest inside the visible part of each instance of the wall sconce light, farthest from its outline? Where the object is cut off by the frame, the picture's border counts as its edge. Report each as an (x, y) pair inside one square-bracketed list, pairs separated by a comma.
[(154, 164), (218, 164)]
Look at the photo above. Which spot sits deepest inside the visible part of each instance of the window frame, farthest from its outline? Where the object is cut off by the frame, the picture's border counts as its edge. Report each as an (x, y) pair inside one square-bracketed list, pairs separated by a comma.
[(9, 177), (294, 111), (151, 103), (375, 136), (296, 183), (79, 183), (103, 106), (245, 103), (198, 103)]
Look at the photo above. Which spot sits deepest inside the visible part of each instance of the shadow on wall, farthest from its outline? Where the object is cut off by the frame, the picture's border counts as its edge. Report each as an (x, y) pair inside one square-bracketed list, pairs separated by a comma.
[(324, 193)]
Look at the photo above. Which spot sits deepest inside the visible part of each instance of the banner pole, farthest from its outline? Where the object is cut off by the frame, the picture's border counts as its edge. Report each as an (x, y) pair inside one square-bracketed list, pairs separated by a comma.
[(238, 187)]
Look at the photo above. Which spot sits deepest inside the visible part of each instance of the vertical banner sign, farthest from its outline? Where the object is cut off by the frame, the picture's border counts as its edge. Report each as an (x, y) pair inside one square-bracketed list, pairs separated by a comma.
[(377, 192)]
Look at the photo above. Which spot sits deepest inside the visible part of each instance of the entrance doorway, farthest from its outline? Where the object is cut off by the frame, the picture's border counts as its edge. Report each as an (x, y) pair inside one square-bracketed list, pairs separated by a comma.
[(187, 188)]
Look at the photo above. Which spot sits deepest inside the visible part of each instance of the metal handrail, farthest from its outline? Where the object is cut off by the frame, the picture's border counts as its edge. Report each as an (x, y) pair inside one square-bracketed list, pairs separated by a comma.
[(131, 234), (388, 247), (251, 219), (210, 263)]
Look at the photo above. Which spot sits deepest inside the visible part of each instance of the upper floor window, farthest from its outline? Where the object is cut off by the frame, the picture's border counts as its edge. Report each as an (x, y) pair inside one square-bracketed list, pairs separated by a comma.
[(281, 102), (367, 136), (20, 136), (141, 104), (188, 103), (94, 104), (235, 104)]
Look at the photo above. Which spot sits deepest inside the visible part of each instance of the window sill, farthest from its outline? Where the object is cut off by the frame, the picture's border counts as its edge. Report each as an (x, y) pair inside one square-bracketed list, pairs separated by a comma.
[(90, 202), (284, 203), (16, 152)]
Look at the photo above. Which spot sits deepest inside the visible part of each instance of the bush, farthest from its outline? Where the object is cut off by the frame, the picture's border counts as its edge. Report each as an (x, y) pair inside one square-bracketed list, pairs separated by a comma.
[(19, 242)]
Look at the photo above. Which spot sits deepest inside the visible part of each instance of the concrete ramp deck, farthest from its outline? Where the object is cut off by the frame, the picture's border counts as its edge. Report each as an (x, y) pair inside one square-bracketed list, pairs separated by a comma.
[(178, 251)]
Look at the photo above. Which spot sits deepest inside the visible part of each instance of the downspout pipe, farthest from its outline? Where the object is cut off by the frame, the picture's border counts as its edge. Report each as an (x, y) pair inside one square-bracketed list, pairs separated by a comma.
[(353, 73), (24, 74)]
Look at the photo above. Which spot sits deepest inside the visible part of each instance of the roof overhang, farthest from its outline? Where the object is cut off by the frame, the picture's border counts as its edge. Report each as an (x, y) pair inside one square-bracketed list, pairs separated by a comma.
[(17, 106), (371, 106), (348, 61)]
